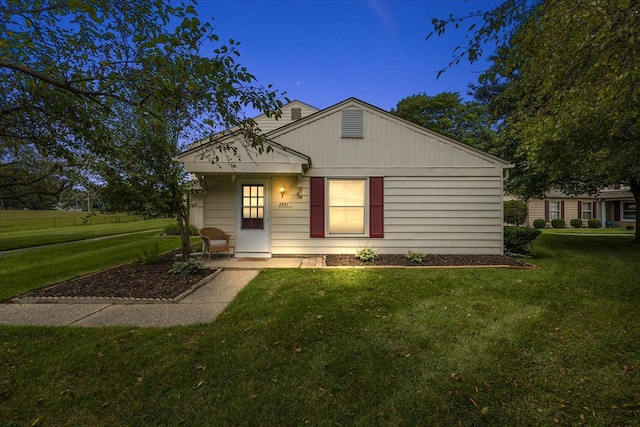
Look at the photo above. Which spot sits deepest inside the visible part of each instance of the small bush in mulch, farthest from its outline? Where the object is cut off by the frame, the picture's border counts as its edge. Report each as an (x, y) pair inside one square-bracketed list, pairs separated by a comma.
[(416, 257), (367, 254)]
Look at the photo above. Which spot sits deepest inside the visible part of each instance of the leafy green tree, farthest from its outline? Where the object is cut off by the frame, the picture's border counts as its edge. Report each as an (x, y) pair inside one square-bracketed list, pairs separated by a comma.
[(447, 114), (515, 212), (118, 86), (572, 86)]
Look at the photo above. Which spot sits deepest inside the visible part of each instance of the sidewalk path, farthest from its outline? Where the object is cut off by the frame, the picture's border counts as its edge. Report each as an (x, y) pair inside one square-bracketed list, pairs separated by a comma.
[(202, 306)]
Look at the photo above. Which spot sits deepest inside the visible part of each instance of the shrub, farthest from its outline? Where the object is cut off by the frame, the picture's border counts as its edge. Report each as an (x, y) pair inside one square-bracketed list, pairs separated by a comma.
[(630, 227), (576, 223), (173, 229), (416, 257), (594, 223), (519, 239), (148, 256), (367, 254), (539, 223), (557, 223), (185, 268), (515, 212)]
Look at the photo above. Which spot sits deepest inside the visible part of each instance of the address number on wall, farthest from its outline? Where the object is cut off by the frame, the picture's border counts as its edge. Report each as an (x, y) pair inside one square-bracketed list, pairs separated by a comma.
[(284, 205)]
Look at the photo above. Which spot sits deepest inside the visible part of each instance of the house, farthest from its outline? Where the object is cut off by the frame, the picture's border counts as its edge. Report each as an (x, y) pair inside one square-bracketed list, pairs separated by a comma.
[(613, 206), (347, 177)]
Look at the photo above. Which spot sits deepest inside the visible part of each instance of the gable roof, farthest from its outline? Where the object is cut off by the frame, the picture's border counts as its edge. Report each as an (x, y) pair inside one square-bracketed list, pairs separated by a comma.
[(277, 159), (355, 102), (419, 147)]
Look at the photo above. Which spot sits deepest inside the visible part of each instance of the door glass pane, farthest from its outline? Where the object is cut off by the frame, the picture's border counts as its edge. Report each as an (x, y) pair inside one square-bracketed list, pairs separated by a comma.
[(253, 207)]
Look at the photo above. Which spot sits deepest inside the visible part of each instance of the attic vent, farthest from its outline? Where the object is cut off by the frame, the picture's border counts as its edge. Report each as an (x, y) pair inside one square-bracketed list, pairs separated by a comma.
[(296, 113), (352, 124)]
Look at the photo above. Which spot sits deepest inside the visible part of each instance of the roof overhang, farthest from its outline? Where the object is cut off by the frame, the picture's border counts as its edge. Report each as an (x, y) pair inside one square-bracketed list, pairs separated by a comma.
[(276, 159)]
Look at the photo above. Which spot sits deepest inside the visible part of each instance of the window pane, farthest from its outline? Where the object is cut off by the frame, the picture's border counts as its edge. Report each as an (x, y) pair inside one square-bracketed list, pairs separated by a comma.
[(246, 213), (246, 191), (346, 220), (346, 193), (586, 210), (628, 210), (554, 210), (260, 191)]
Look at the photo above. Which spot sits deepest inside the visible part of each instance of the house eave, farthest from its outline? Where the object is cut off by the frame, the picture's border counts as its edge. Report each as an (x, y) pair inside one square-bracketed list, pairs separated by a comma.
[(245, 168)]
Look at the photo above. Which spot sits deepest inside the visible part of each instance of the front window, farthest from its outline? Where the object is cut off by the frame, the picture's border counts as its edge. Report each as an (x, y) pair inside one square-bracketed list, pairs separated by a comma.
[(629, 211), (252, 207), (554, 210), (347, 206), (587, 210)]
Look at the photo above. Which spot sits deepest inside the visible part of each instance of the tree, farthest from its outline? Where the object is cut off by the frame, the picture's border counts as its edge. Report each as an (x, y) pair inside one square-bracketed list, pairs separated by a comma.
[(447, 114), (573, 82), (515, 212), (119, 86)]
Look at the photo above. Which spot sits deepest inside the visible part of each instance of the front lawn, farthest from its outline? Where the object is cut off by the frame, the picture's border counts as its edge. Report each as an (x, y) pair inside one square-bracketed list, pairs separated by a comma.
[(40, 237), (557, 345), (36, 267)]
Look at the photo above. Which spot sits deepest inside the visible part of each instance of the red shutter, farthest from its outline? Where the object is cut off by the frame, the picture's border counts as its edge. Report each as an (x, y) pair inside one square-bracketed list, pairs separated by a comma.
[(580, 209), (317, 207), (546, 210), (562, 209), (376, 207)]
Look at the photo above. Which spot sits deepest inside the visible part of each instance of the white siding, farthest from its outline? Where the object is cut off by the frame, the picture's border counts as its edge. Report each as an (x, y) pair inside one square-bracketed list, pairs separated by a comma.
[(220, 205), (196, 210), (535, 211), (416, 217), (386, 143), (267, 124)]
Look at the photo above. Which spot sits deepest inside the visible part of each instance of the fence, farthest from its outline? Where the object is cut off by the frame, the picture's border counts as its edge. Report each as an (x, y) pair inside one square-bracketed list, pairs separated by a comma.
[(33, 223)]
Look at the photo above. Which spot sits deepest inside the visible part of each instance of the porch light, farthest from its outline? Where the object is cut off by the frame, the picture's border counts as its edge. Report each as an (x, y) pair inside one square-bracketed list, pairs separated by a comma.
[(282, 191)]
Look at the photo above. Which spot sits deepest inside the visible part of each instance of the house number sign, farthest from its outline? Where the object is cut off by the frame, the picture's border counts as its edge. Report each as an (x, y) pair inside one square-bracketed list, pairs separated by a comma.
[(284, 205)]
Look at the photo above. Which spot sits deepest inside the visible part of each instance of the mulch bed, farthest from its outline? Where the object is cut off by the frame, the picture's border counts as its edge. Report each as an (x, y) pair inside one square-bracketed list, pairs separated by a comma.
[(154, 282), (429, 261), (128, 281)]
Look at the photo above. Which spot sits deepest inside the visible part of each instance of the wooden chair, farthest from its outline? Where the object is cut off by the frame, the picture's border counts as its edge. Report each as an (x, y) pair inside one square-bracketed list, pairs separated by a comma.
[(215, 240)]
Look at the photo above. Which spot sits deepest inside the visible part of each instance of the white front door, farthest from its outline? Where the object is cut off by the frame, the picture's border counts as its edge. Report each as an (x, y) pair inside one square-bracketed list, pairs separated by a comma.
[(253, 219)]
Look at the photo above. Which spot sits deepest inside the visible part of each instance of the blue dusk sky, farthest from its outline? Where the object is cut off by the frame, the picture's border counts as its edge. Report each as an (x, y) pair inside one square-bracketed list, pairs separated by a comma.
[(324, 51)]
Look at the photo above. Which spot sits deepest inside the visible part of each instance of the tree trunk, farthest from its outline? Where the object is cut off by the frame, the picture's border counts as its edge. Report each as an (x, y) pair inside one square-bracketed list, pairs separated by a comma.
[(185, 232), (635, 190)]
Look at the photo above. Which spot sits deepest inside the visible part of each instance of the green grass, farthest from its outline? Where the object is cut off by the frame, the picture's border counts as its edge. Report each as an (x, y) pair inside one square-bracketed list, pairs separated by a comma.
[(15, 220), (556, 345), (28, 269), (29, 238)]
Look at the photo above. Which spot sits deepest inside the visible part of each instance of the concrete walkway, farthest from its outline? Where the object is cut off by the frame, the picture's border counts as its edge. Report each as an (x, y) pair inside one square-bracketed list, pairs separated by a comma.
[(201, 306)]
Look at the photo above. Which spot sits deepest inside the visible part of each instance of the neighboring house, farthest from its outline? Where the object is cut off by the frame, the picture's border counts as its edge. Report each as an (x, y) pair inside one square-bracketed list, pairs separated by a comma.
[(347, 177), (614, 207)]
